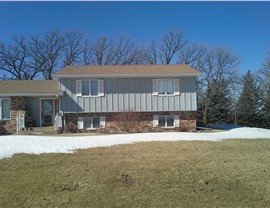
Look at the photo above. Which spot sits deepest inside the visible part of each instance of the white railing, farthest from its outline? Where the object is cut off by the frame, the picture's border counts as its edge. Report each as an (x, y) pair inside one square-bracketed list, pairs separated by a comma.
[(58, 122), (20, 122)]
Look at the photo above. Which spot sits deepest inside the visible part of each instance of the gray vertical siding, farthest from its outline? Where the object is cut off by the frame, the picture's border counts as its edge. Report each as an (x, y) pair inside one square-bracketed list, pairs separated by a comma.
[(133, 94)]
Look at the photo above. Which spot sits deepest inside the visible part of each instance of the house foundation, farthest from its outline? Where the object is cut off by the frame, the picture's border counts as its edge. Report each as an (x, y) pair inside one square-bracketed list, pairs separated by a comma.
[(135, 121)]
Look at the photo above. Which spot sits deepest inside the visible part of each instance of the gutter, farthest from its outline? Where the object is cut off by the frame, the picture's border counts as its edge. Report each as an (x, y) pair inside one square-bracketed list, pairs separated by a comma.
[(32, 95), (124, 75)]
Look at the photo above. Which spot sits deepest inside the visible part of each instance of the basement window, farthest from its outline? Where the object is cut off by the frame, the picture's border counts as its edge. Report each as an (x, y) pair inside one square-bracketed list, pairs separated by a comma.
[(166, 121), (91, 122)]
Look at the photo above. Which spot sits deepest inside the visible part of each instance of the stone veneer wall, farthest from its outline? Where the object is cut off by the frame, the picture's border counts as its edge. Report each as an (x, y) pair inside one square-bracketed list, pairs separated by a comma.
[(17, 107), (143, 123)]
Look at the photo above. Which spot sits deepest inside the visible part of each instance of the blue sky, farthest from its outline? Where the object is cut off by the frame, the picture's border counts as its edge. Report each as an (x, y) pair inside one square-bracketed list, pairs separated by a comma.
[(243, 27)]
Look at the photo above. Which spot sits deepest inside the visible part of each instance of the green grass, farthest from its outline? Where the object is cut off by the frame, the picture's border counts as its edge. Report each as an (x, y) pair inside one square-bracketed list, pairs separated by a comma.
[(232, 173)]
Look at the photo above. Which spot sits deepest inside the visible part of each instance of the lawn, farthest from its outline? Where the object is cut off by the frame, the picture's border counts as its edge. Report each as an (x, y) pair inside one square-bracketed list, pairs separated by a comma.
[(231, 173)]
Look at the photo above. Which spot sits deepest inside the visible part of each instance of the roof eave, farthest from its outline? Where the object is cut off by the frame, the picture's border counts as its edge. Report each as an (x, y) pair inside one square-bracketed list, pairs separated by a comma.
[(124, 75), (32, 94)]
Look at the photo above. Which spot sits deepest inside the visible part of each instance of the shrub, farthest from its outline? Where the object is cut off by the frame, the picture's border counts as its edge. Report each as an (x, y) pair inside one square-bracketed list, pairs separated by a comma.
[(71, 127), (126, 121)]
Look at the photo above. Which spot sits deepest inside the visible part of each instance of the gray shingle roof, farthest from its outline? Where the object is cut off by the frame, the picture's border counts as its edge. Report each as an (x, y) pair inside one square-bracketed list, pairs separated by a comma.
[(126, 70), (29, 87)]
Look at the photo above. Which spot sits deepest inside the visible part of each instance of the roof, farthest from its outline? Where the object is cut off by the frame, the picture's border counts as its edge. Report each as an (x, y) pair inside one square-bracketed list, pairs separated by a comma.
[(29, 88), (126, 71)]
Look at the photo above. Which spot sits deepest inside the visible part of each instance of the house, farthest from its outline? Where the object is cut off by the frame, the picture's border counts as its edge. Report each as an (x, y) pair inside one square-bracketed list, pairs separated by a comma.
[(91, 97), (38, 98), (161, 95)]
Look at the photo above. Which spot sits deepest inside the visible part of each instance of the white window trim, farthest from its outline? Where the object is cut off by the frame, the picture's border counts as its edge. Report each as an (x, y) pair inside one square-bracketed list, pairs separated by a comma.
[(155, 120), (99, 81), (155, 87), (175, 121), (101, 87), (176, 85), (175, 89), (81, 124), (1, 103), (78, 87)]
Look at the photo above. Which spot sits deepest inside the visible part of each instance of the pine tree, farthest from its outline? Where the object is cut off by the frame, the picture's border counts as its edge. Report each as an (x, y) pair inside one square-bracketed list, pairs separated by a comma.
[(220, 108), (248, 103), (266, 110)]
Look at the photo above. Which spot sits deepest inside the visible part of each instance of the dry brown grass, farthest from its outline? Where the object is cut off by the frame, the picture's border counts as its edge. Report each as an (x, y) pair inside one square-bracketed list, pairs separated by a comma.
[(232, 173)]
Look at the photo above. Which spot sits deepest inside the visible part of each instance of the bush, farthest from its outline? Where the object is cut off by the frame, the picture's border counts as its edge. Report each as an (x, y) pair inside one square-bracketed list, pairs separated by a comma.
[(127, 121), (71, 127)]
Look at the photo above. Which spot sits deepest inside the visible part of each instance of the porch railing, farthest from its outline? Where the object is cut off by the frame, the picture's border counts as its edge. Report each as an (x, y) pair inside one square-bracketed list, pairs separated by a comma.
[(20, 122)]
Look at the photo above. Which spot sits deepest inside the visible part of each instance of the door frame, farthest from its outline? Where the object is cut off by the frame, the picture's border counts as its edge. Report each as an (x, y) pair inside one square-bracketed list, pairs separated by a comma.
[(53, 109)]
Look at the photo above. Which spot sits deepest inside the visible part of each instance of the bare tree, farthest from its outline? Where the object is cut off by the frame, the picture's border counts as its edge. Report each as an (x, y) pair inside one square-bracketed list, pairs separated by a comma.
[(125, 51), (263, 78), (151, 53), (15, 60), (171, 44), (264, 72), (193, 55), (48, 52), (103, 51), (87, 53), (73, 47)]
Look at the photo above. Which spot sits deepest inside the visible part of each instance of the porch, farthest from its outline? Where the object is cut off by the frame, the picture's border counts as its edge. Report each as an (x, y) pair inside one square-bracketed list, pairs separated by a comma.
[(41, 111), (35, 100)]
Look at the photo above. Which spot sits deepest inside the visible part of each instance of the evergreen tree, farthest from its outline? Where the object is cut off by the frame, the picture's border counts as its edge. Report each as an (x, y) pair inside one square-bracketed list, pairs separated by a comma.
[(266, 110), (220, 108), (248, 103), (264, 76)]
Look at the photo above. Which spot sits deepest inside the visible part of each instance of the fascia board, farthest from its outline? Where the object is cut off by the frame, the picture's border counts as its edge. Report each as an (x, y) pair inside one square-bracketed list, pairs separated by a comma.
[(30, 95), (125, 75)]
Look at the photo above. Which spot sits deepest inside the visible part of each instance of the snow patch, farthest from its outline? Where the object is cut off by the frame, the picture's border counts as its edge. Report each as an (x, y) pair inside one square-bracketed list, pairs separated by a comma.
[(14, 144)]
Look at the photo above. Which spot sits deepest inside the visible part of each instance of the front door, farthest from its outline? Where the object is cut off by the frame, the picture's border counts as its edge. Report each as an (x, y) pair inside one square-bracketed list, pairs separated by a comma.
[(47, 112)]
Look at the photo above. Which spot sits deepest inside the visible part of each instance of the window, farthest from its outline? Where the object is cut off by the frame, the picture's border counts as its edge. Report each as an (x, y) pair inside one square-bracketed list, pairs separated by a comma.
[(170, 121), (162, 87), (165, 121), (166, 87), (85, 88), (170, 87), (5, 106), (161, 121), (94, 87), (96, 122), (89, 88), (87, 122), (91, 122)]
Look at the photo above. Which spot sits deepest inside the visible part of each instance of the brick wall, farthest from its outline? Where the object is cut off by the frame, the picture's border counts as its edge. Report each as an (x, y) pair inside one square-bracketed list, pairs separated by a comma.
[(17, 107), (143, 121)]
